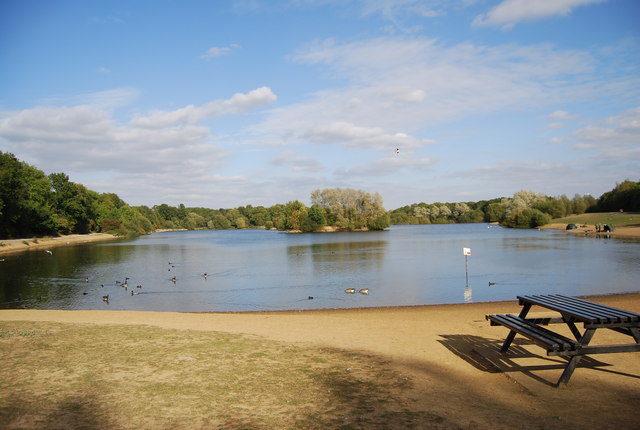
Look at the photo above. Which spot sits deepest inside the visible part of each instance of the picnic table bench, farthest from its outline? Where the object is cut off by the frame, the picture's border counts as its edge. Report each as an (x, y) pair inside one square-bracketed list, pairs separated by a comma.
[(572, 310)]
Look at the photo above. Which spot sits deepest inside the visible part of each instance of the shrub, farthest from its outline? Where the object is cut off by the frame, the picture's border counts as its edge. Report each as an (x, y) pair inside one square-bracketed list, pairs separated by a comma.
[(527, 218)]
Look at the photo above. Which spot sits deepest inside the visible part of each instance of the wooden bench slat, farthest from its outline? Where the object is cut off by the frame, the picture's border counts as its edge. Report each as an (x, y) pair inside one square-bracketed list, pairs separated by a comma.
[(567, 305), (596, 308), (617, 315), (592, 312), (539, 335)]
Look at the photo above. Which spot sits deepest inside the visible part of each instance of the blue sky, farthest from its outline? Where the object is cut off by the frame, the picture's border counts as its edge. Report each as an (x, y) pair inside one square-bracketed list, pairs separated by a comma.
[(227, 103)]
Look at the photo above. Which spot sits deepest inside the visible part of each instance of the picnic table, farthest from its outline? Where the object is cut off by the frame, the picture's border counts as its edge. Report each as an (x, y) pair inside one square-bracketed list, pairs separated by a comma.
[(572, 311)]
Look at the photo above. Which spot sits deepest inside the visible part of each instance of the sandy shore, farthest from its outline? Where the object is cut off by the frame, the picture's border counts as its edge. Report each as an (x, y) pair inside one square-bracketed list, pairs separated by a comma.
[(627, 232), (449, 351), (8, 246)]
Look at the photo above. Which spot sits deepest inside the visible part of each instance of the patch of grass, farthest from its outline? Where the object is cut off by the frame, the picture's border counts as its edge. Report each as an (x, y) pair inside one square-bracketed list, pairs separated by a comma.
[(5, 333), (147, 377), (613, 218)]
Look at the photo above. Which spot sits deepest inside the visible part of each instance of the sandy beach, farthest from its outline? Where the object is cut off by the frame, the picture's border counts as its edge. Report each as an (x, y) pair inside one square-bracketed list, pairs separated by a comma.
[(10, 246), (622, 232), (450, 352)]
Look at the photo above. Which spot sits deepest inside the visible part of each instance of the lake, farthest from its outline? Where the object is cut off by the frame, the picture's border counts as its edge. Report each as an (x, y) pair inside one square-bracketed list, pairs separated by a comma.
[(260, 270)]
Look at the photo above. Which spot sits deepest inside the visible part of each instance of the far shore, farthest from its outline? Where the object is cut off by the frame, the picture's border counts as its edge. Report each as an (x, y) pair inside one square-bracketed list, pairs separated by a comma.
[(626, 232), (9, 246)]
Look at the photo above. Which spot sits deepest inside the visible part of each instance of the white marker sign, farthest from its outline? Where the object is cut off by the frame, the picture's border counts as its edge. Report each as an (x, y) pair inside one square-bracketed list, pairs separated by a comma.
[(466, 251)]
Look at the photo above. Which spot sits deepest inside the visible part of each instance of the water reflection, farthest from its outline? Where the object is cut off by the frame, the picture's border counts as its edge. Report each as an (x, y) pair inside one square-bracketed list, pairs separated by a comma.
[(340, 256)]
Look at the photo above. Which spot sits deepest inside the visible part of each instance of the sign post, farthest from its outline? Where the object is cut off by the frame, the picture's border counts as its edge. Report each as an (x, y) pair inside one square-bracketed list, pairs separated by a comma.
[(467, 253)]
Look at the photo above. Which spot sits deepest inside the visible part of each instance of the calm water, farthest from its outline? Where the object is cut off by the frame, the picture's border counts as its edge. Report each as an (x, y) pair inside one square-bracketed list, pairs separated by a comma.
[(251, 270)]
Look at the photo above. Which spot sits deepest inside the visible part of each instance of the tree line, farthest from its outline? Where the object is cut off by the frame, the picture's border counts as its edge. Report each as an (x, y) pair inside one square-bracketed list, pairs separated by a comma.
[(526, 209), (35, 204)]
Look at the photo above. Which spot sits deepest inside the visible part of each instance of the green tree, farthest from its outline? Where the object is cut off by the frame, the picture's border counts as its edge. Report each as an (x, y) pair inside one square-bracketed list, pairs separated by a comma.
[(347, 208), (25, 199), (73, 205), (316, 218), (495, 212), (527, 218), (296, 215), (624, 197)]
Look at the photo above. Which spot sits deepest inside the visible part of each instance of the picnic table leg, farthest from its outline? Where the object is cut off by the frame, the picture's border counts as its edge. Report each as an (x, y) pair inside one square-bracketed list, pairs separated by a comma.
[(512, 334), (575, 359), (572, 326)]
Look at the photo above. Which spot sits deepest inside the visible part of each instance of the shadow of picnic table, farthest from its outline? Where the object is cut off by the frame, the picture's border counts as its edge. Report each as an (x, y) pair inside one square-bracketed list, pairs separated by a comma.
[(484, 354)]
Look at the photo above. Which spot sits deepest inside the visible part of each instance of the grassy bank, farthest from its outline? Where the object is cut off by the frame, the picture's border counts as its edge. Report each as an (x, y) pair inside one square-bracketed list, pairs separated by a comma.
[(87, 376), (617, 219)]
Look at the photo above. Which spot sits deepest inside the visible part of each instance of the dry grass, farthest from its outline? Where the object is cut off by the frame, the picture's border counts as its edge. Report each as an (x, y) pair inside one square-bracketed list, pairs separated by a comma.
[(119, 377)]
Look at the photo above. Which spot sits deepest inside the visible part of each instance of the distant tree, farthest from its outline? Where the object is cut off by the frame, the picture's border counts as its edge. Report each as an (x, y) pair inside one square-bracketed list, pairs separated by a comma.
[(110, 225), (350, 209), (421, 212), (257, 216), (459, 210), (495, 212), (278, 216), (625, 196), (296, 215), (195, 221), (25, 199), (219, 222), (527, 218), (72, 204), (440, 213), (316, 218)]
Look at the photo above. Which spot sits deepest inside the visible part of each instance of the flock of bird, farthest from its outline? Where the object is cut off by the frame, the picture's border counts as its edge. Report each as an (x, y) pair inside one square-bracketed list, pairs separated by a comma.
[(125, 284), (363, 291)]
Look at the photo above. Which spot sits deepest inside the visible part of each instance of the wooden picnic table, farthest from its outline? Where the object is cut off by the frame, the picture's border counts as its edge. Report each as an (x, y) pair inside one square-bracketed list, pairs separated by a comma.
[(572, 311)]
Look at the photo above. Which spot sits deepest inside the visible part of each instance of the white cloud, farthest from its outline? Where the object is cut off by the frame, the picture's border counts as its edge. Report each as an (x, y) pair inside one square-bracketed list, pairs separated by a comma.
[(393, 10), (527, 174), (561, 115), (218, 51), (391, 165), (510, 12), (615, 137), (97, 143), (296, 163), (102, 100), (191, 114), (398, 87), (141, 162), (361, 137)]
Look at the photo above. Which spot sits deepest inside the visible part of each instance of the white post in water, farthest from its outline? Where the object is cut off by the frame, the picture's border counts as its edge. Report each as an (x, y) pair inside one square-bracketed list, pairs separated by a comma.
[(467, 253)]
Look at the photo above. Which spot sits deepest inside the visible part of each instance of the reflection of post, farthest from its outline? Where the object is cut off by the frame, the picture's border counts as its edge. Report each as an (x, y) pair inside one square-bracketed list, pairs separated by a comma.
[(468, 295)]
